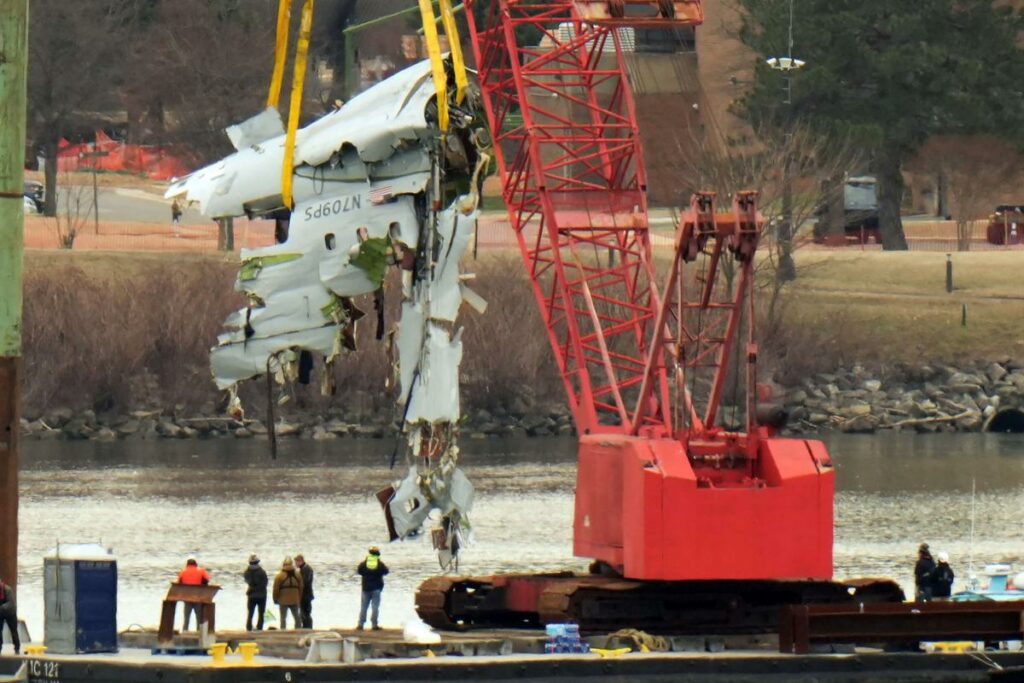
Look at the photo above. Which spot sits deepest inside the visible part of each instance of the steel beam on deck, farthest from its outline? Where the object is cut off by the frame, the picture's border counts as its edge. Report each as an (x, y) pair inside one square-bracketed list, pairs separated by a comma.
[(13, 65), (804, 625)]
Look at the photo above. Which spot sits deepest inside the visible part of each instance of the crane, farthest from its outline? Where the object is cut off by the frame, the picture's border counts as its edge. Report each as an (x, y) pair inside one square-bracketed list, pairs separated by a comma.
[(692, 492), (679, 505)]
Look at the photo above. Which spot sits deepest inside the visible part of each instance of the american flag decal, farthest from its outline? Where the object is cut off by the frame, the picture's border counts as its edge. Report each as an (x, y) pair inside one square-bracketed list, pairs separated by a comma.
[(379, 195)]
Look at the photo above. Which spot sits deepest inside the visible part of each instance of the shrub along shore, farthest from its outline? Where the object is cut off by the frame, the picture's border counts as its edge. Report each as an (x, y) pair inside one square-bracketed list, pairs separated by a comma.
[(115, 347)]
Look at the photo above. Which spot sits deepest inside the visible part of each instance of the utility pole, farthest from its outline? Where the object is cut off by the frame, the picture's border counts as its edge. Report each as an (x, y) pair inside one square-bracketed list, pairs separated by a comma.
[(95, 156), (787, 65), (13, 101)]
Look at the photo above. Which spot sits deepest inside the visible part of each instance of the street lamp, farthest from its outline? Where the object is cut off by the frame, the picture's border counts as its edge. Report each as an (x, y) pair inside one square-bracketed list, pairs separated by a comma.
[(786, 66), (785, 63)]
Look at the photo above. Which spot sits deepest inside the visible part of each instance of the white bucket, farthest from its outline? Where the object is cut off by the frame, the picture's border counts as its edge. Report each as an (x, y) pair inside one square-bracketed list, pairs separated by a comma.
[(324, 647)]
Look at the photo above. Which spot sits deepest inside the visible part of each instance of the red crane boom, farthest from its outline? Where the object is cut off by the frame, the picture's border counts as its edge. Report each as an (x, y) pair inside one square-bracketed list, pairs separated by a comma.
[(572, 169)]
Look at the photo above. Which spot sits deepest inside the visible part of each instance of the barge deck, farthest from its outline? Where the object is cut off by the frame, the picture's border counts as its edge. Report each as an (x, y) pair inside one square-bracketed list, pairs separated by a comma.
[(499, 655)]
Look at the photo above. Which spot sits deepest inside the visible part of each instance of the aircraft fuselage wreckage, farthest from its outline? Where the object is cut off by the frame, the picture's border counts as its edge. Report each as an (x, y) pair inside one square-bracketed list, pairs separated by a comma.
[(378, 183)]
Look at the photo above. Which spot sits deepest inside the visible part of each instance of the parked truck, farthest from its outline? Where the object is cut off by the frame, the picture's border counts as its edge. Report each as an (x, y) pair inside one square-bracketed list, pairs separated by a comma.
[(860, 212)]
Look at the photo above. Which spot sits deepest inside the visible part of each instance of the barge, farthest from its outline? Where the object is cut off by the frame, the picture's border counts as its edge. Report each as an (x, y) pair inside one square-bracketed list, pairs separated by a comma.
[(496, 655)]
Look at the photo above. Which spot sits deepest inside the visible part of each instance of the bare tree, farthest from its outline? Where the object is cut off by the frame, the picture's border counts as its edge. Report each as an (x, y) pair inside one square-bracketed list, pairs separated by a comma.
[(75, 63), (75, 205), (199, 66), (801, 159), (978, 170), (202, 65)]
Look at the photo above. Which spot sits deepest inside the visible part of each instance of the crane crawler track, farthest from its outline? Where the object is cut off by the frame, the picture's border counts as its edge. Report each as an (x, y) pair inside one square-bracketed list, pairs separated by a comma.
[(608, 603)]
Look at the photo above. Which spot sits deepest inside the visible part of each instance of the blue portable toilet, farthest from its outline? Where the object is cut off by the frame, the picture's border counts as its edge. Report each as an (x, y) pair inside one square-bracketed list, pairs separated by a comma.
[(80, 596)]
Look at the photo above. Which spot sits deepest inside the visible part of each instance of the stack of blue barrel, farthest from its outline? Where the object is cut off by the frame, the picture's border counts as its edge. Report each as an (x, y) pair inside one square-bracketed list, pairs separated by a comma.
[(564, 639)]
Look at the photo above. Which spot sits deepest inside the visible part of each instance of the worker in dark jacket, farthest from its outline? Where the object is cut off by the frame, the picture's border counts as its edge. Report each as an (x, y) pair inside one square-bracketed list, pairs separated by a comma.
[(372, 570), (923, 574), (942, 578), (256, 592), (306, 605), (9, 616)]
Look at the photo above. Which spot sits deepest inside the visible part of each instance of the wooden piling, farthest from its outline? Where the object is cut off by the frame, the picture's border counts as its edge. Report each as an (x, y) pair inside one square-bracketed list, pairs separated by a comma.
[(13, 102)]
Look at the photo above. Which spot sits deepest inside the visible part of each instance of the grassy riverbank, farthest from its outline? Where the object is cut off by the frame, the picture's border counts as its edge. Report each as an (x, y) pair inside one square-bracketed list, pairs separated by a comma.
[(118, 331), (880, 308), (122, 331)]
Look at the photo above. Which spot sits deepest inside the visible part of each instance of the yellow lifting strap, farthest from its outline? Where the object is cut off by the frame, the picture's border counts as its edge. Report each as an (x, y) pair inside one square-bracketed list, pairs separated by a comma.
[(451, 30), (436, 62), (295, 107), (284, 11)]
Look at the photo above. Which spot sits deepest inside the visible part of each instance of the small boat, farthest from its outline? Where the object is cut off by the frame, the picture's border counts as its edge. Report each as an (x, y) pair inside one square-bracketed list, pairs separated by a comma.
[(998, 582)]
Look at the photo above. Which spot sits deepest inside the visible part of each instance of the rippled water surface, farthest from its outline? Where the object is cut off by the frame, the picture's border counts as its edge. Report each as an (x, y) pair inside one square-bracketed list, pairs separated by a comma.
[(155, 502)]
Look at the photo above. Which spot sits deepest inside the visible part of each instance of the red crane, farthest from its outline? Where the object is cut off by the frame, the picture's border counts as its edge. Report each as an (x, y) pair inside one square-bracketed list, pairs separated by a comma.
[(674, 501)]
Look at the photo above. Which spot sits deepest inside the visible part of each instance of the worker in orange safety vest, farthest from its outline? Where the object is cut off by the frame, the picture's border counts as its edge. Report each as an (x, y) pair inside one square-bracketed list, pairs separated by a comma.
[(192, 575)]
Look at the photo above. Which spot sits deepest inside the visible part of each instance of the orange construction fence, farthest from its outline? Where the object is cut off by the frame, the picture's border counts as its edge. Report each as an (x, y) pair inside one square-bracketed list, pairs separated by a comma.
[(107, 154)]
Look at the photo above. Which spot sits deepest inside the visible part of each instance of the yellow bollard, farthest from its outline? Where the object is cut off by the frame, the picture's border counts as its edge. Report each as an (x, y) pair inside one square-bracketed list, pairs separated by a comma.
[(35, 650), (248, 652), (956, 646), (217, 651)]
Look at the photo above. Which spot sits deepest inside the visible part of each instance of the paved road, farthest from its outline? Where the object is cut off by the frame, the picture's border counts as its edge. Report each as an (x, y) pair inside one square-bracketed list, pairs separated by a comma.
[(131, 205), (128, 205)]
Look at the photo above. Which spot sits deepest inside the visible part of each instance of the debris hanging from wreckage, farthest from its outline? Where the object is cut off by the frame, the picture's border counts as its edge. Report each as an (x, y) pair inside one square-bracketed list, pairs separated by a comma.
[(375, 185)]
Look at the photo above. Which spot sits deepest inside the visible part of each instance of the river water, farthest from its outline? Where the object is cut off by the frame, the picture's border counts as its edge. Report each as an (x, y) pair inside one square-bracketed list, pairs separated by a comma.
[(155, 502)]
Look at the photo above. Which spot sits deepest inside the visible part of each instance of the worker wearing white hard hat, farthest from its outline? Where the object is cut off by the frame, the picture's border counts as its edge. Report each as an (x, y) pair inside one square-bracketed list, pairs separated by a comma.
[(942, 578)]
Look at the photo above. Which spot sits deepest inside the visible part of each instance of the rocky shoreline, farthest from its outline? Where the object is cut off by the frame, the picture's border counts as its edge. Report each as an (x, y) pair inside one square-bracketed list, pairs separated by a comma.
[(66, 424), (925, 398)]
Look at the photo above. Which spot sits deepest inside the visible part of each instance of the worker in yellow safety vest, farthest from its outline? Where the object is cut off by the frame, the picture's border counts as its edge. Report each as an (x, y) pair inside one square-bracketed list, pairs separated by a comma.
[(372, 570)]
